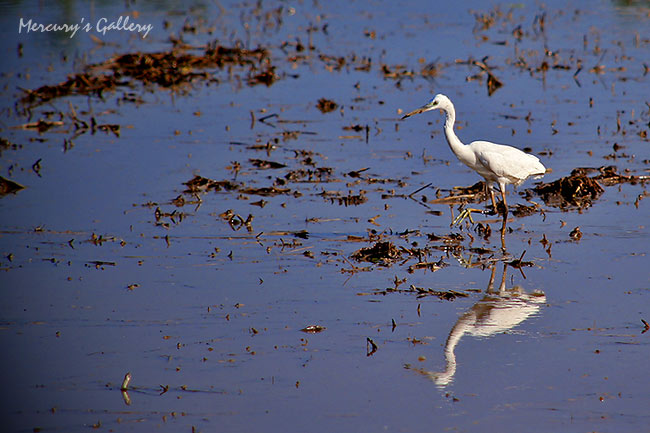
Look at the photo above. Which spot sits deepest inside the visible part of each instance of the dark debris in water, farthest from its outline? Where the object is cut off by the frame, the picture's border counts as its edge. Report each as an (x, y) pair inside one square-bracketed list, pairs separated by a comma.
[(167, 69), (266, 191), (521, 210), (351, 199), (450, 239), (152, 67), (575, 234), (203, 184), (493, 83), (463, 194), (431, 266), (575, 190), (8, 186), (319, 174), (260, 163), (236, 221), (382, 252), (421, 292), (579, 190), (79, 84), (609, 176), (313, 329), (326, 105), (477, 188)]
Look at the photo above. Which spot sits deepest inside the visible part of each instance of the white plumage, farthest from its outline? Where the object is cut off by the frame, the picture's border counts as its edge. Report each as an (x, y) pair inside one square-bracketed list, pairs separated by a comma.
[(497, 163)]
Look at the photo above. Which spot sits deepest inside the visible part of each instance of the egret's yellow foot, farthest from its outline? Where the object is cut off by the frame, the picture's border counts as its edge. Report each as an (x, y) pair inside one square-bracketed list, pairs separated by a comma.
[(466, 213)]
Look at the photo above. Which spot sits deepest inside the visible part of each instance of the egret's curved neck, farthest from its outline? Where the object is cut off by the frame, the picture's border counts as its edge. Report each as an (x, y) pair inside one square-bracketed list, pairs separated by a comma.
[(445, 377), (459, 149), (459, 329), (450, 356)]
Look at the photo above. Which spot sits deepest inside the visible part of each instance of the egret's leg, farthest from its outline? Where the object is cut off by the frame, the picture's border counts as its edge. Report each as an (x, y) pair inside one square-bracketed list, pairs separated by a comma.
[(490, 192), (505, 203), (503, 235), (494, 202)]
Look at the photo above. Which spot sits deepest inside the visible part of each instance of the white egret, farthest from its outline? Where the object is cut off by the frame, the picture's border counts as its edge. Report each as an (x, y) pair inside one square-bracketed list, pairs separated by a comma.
[(497, 163)]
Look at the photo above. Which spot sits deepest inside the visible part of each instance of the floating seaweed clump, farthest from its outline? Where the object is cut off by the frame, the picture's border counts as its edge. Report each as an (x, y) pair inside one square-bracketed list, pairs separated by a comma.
[(263, 164), (166, 69), (421, 292), (171, 68), (79, 84), (201, 184), (326, 105), (608, 176), (345, 200), (382, 252), (320, 174), (577, 190), (580, 190)]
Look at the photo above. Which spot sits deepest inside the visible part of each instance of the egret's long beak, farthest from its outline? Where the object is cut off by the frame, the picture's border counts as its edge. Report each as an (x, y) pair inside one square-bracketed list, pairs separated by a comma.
[(417, 111)]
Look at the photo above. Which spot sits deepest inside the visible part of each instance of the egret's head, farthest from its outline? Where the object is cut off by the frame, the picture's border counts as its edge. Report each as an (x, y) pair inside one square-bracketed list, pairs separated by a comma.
[(439, 101)]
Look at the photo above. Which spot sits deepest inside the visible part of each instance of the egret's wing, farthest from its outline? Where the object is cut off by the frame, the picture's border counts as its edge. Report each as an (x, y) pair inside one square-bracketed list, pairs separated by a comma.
[(506, 161)]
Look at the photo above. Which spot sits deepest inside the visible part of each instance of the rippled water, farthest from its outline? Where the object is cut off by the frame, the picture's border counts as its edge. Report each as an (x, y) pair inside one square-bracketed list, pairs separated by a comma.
[(105, 274)]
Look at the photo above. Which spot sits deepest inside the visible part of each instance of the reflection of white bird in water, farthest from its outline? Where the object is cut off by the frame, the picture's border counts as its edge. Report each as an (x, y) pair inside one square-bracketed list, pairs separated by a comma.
[(497, 312), (495, 162)]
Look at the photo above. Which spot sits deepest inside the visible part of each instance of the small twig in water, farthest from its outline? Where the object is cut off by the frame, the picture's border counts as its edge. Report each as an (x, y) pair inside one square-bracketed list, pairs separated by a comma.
[(420, 189)]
